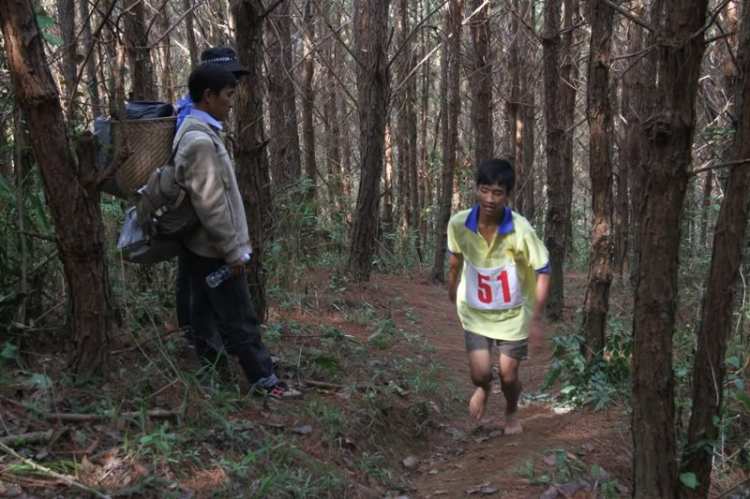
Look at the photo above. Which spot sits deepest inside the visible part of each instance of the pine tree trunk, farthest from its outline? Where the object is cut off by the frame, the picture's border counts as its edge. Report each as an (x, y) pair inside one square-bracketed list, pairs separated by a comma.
[(144, 82), (400, 100), (166, 52), (285, 146), (451, 142), (371, 35), (66, 14), (333, 127), (556, 224), (599, 114), (515, 111), (388, 185), (308, 102), (72, 192), (411, 131), (190, 34), (250, 152), (481, 107), (669, 133), (424, 190), (569, 76), (645, 85), (86, 42), (721, 289)]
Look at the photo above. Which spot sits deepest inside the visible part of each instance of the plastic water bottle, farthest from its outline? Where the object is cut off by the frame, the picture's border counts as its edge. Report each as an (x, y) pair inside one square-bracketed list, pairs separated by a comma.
[(221, 275)]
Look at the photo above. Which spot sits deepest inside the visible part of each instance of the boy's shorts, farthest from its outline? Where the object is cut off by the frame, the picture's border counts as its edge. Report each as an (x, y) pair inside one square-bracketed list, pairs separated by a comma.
[(516, 349)]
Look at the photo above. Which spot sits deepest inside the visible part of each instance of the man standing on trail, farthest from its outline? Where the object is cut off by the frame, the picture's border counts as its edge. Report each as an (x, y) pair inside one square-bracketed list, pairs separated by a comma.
[(203, 168), (226, 58), (504, 281)]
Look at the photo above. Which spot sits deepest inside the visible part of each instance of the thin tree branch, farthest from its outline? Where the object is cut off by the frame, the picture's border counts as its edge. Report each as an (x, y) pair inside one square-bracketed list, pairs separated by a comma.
[(639, 21), (736, 162), (719, 37), (90, 51), (416, 29), (710, 20), (269, 10), (46, 471), (336, 34), (176, 23)]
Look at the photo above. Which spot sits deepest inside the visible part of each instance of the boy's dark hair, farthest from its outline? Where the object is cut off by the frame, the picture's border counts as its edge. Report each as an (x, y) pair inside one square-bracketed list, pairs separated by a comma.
[(211, 77), (496, 171)]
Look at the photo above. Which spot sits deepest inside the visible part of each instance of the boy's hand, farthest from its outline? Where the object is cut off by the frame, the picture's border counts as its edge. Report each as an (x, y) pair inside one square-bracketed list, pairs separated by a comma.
[(452, 294), (536, 334)]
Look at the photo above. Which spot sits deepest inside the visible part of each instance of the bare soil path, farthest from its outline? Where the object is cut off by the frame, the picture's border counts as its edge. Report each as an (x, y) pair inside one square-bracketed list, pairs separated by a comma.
[(465, 454)]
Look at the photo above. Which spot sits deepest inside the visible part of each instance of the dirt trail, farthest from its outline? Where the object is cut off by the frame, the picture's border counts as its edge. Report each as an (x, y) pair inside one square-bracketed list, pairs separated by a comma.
[(467, 454)]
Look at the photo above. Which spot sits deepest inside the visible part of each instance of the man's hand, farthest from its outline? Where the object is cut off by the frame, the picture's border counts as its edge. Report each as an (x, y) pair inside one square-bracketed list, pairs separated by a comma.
[(536, 333), (452, 294), (237, 267)]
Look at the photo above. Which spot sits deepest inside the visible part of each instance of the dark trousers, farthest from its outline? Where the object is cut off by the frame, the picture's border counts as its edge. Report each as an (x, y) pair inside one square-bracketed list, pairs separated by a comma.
[(183, 299), (230, 305)]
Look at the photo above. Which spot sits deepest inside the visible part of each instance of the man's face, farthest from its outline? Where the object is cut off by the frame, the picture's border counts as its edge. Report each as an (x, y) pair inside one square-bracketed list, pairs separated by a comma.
[(492, 199), (219, 105)]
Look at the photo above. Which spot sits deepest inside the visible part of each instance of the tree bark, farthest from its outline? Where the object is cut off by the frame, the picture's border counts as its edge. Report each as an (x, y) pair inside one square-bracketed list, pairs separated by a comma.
[(166, 53), (87, 41), (285, 146), (516, 113), (669, 133), (411, 132), (371, 36), (250, 152), (308, 102), (388, 185), (645, 82), (569, 76), (721, 290), (529, 147), (334, 127), (451, 132), (71, 189), (481, 107), (424, 177), (190, 34), (556, 225), (139, 55), (66, 13), (599, 115)]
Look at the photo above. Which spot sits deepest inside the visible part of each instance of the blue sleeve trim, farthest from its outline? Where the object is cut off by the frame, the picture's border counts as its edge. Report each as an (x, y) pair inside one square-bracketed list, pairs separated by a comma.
[(452, 253), (544, 270)]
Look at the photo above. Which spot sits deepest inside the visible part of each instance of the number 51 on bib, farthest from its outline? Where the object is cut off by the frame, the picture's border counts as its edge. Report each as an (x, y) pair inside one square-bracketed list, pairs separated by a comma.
[(494, 288)]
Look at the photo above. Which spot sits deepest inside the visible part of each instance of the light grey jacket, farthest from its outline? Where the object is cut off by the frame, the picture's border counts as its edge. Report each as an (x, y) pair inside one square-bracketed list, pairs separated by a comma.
[(204, 169)]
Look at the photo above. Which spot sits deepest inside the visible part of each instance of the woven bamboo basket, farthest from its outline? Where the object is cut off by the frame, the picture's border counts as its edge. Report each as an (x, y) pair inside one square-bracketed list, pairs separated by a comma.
[(150, 143)]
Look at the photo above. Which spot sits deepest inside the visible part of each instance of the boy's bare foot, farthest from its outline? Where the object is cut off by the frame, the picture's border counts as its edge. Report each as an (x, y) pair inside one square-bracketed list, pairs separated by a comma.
[(478, 402), (512, 424)]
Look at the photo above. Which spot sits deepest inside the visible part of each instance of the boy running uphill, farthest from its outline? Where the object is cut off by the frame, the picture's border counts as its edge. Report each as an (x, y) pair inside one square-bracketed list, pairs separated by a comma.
[(504, 281)]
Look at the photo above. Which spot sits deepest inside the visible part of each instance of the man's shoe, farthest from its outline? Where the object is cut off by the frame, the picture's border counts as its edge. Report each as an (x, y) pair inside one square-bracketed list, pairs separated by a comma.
[(278, 390)]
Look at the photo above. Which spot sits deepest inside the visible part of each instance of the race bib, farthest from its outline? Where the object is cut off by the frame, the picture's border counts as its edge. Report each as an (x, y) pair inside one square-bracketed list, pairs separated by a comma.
[(493, 289)]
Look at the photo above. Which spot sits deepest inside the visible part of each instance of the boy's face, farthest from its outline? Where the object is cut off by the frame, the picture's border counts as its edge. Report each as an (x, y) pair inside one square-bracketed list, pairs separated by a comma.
[(492, 199), (219, 105)]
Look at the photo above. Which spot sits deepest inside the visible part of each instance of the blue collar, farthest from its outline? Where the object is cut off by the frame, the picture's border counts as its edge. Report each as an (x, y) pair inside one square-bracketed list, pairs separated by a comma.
[(505, 227), (207, 118)]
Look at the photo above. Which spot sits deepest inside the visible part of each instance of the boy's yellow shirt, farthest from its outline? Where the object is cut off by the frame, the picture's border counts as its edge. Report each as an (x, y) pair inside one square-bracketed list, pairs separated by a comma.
[(497, 293)]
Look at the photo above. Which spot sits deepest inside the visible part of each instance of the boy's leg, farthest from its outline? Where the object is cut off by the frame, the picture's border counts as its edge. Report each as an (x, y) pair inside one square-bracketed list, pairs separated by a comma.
[(511, 355), (480, 364)]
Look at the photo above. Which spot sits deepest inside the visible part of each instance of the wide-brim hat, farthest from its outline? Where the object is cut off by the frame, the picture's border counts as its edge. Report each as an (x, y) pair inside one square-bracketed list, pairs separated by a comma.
[(227, 58)]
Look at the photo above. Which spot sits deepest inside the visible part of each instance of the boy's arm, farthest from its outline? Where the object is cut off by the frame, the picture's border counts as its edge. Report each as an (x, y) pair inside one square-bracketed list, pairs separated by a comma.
[(457, 265), (536, 331)]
